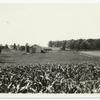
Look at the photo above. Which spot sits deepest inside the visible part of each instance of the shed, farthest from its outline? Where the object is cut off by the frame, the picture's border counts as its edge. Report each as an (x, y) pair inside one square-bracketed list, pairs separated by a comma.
[(36, 49)]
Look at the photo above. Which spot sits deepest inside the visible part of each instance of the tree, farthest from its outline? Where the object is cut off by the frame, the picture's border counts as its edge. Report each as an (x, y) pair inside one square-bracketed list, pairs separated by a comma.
[(71, 44), (50, 44), (6, 46), (85, 45), (27, 48), (1, 47), (18, 47), (63, 45), (77, 44), (14, 46)]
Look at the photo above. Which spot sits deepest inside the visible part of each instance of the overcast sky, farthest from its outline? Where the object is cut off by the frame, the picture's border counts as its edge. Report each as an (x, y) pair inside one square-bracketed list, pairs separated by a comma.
[(40, 23)]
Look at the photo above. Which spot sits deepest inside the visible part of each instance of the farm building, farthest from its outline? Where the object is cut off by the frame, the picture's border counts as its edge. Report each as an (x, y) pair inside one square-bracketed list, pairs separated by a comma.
[(35, 49)]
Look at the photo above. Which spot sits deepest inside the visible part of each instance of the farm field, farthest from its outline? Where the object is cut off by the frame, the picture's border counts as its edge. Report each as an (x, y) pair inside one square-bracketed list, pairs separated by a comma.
[(60, 57), (53, 72)]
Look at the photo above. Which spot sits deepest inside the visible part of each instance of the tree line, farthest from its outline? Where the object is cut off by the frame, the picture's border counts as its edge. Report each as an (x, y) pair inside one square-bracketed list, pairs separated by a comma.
[(15, 47), (79, 44)]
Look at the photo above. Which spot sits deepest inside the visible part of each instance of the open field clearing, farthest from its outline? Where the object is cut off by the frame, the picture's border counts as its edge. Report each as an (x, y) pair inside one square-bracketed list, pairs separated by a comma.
[(60, 57), (92, 53)]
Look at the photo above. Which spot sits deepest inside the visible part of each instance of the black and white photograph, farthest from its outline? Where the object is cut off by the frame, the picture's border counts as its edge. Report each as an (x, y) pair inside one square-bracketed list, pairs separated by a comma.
[(49, 48)]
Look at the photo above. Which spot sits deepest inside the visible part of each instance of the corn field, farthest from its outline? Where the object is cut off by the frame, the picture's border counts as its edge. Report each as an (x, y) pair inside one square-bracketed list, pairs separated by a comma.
[(50, 78)]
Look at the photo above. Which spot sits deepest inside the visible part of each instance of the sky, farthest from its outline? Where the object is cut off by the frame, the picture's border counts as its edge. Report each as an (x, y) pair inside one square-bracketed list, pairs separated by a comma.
[(40, 23)]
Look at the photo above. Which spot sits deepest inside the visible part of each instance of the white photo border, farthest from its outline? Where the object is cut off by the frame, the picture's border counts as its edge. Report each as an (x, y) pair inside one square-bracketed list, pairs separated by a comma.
[(50, 1)]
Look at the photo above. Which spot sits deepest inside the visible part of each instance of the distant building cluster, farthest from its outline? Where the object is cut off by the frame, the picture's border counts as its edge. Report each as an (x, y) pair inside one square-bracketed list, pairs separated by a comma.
[(25, 48)]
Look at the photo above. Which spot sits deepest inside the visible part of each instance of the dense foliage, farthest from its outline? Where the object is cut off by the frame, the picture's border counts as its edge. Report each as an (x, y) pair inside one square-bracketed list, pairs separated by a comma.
[(80, 44), (50, 78)]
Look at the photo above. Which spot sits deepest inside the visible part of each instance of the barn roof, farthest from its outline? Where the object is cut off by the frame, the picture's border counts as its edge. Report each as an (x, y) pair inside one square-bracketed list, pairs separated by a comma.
[(36, 46)]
